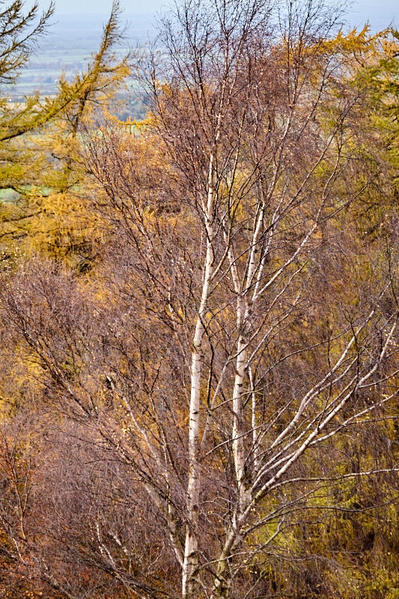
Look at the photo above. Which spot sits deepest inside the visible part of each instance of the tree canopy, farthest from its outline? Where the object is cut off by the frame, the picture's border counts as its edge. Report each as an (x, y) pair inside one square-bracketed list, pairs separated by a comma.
[(199, 315)]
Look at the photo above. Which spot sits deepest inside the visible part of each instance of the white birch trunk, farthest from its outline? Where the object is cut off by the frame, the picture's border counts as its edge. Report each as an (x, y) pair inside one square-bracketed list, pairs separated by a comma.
[(190, 562), (238, 425)]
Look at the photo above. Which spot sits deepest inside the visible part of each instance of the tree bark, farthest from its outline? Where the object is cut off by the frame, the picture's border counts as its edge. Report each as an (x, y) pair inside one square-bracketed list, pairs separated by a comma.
[(190, 562)]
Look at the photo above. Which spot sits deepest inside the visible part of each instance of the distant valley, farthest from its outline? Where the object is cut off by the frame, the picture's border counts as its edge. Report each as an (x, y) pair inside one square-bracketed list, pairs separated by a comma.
[(68, 47)]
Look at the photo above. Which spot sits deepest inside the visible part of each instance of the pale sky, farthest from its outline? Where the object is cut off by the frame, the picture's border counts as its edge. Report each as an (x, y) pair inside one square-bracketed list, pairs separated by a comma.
[(379, 13)]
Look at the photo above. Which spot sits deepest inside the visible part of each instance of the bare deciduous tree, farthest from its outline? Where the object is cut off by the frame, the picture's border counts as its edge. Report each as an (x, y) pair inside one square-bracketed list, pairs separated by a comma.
[(231, 343)]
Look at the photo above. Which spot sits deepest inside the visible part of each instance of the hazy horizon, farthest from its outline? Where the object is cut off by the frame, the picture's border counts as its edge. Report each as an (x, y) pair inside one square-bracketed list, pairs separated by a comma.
[(379, 14), (74, 35)]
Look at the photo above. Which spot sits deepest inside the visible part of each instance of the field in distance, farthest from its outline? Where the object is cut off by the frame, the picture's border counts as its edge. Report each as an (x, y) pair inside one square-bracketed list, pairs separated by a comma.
[(66, 50)]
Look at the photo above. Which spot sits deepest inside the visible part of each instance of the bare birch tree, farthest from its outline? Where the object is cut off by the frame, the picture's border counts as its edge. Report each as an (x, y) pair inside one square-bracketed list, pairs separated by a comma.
[(230, 336)]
